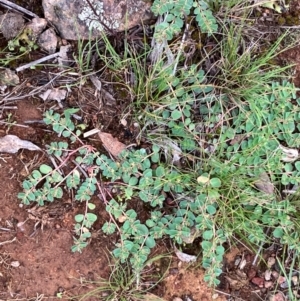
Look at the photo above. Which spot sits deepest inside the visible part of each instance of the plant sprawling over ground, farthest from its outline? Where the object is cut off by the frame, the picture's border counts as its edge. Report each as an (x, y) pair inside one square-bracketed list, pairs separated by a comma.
[(224, 136)]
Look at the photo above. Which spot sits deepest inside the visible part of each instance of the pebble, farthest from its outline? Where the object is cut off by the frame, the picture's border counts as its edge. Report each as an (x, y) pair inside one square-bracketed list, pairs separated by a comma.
[(15, 264), (295, 280), (258, 281), (268, 284), (275, 274), (268, 275), (271, 262)]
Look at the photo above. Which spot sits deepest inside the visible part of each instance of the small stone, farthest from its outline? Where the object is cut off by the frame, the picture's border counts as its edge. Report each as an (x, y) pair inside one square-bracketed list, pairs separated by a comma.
[(123, 122), (281, 279), (36, 26), (275, 274), (11, 24), (48, 41), (277, 297), (243, 264), (8, 77), (271, 262), (285, 285), (295, 280), (268, 284), (177, 299), (258, 281), (15, 264), (268, 275)]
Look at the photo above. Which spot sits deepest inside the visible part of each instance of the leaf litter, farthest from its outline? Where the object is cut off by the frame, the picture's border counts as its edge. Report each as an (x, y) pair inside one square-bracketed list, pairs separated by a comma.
[(11, 144)]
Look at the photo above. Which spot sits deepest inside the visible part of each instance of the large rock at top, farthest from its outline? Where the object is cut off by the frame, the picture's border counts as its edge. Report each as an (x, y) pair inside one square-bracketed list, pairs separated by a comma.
[(77, 19)]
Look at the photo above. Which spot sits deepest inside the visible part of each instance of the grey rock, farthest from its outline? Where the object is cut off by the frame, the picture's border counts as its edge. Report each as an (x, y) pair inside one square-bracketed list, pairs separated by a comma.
[(75, 19), (8, 77), (36, 26), (48, 40), (11, 24)]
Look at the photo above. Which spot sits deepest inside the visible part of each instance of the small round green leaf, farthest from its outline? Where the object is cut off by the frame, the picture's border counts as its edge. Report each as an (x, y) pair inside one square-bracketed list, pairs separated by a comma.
[(45, 169), (211, 209), (160, 171), (91, 206), (79, 218), (133, 181), (36, 174), (150, 242), (176, 114), (208, 234), (215, 182), (91, 217), (278, 233)]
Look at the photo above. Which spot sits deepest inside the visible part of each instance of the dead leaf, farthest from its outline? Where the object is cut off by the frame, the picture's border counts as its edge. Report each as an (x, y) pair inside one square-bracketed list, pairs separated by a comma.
[(54, 94), (11, 144), (185, 257), (251, 272), (236, 284), (264, 184), (112, 145), (289, 154)]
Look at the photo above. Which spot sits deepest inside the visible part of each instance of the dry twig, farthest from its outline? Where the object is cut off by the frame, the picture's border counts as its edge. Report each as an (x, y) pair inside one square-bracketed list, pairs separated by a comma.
[(18, 8)]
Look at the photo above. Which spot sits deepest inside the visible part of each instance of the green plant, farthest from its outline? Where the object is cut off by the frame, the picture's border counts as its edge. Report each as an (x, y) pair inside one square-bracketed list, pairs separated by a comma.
[(177, 11), (213, 140), (9, 122), (24, 42), (44, 184)]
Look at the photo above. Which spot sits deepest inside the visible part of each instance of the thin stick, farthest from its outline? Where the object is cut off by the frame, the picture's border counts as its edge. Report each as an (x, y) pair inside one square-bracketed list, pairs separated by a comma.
[(187, 26), (9, 108), (46, 58), (14, 124), (19, 8), (7, 241)]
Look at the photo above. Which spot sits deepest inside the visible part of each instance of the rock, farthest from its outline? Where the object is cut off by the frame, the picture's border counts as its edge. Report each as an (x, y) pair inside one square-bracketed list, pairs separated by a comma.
[(35, 27), (268, 275), (268, 284), (11, 24), (258, 281), (277, 297), (295, 280), (63, 59), (76, 19), (8, 77), (48, 41), (271, 262)]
